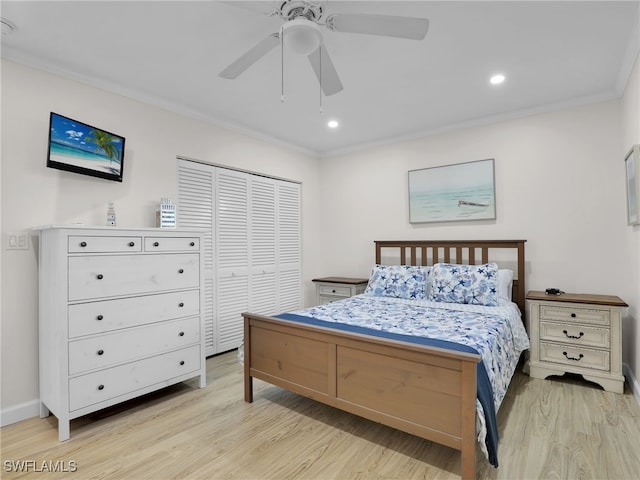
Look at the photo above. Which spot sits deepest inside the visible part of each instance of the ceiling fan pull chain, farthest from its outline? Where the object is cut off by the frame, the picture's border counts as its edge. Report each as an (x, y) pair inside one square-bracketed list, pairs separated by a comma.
[(320, 70), (282, 65)]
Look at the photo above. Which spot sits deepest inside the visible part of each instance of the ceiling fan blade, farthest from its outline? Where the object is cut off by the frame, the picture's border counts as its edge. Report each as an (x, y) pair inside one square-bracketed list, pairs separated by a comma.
[(325, 71), (386, 25), (251, 56)]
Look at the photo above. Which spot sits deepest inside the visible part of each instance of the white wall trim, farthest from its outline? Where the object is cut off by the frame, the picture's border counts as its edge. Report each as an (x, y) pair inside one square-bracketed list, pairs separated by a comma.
[(633, 381), (20, 412)]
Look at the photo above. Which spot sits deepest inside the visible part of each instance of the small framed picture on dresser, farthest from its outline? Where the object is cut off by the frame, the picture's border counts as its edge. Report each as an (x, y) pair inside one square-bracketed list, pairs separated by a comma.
[(632, 167)]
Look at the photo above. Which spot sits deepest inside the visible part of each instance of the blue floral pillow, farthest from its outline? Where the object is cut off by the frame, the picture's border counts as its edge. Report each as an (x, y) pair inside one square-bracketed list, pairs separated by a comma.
[(398, 281), (475, 284)]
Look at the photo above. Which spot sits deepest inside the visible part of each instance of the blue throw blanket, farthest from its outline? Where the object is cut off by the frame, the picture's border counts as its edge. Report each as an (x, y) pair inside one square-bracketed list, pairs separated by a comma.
[(485, 393)]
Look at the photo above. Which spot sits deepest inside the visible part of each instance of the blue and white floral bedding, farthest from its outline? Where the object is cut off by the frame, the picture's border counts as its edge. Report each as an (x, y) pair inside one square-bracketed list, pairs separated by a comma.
[(495, 332)]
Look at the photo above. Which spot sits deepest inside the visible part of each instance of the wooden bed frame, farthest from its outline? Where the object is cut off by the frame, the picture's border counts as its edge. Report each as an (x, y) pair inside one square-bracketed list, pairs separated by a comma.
[(426, 391)]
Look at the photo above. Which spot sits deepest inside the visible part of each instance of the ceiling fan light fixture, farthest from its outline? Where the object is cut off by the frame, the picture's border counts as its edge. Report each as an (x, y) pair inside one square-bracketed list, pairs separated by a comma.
[(333, 124), (497, 79), (301, 36)]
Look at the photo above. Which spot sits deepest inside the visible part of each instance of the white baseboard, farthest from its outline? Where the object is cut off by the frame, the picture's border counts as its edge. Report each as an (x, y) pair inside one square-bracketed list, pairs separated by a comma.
[(633, 381), (20, 412)]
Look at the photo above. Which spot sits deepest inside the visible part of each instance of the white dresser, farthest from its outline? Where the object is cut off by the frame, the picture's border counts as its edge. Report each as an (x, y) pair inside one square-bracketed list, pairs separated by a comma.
[(579, 334), (120, 316)]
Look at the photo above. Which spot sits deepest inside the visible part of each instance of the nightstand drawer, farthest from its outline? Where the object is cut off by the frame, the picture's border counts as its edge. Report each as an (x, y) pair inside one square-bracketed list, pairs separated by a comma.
[(335, 290), (591, 316), (575, 334), (575, 356)]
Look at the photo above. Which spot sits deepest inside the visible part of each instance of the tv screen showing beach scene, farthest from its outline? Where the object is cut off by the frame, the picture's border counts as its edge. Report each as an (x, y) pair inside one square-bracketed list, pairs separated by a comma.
[(80, 148)]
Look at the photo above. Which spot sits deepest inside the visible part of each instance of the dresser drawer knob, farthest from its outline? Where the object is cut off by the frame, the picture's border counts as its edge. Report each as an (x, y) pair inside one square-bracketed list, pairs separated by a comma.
[(83, 244), (99, 317), (573, 315), (181, 334), (156, 244), (181, 270), (181, 304), (576, 359), (333, 291), (181, 362), (100, 352), (132, 244), (100, 387), (573, 336), (99, 276), (192, 244)]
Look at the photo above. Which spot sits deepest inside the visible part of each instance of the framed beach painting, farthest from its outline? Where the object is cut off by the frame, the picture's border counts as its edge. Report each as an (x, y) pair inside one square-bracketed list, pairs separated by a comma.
[(632, 167), (463, 191), (80, 148)]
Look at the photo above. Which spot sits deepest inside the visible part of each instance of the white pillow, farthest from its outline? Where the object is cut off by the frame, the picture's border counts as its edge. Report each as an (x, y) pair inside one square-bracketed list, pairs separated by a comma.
[(505, 284)]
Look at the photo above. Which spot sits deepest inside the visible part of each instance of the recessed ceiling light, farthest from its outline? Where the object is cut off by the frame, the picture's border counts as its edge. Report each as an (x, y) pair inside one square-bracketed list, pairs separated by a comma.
[(497, 79), (332, 124)]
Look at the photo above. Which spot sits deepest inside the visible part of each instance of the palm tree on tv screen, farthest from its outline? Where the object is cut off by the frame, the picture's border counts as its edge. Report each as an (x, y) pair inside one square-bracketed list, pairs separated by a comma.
[(105, 142)]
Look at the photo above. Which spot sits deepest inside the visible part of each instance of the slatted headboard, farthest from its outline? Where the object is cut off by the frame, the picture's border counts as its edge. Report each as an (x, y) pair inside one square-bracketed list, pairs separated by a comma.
[(506, 253)]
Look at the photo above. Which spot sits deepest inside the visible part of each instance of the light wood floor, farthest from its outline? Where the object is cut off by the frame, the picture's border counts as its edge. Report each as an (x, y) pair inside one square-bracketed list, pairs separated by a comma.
[(556, 429)]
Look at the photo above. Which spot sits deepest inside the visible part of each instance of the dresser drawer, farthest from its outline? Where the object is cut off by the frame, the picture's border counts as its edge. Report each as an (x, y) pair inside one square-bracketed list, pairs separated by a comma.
[(575, 334), (334, 290), (575, 356), (109, 315), (591, 316), (126, 345), (105, 276), (106, 384), (170, 244), (96, 244)]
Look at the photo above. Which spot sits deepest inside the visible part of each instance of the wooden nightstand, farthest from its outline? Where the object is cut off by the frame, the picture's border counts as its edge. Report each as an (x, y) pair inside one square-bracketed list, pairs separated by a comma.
[(330, 289), (577, 333)]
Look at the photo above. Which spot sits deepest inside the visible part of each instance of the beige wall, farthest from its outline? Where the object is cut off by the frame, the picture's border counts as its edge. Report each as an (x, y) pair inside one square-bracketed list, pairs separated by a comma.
[(631, 136), (34, 195)]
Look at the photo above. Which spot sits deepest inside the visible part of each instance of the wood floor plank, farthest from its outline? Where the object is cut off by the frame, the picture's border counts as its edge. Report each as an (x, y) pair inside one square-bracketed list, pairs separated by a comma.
[(549, 429)]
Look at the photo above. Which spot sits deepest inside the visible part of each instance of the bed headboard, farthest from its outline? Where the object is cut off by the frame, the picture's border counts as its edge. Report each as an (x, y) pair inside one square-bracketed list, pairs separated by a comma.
[(506, 253)]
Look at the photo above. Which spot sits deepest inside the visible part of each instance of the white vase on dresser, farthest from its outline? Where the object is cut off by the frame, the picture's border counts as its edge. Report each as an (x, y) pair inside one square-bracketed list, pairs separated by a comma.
[(120, 315)]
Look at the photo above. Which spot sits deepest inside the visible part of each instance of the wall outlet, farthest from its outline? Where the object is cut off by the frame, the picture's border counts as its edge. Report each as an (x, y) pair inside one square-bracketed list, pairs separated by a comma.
[(18, 241)]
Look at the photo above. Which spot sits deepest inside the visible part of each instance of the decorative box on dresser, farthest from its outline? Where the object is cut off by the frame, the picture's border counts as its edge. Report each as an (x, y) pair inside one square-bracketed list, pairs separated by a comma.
[(120, 316), (330, 289), (577, 333)]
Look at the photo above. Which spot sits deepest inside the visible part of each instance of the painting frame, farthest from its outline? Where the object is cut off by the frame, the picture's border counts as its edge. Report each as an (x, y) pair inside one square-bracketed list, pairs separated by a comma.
[(632, 176), (78, 147), (453, 193)]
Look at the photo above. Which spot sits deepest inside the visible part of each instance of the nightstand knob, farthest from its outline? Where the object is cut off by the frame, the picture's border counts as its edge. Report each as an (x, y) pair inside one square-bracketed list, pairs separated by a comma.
[(333, 291), (573, 315)]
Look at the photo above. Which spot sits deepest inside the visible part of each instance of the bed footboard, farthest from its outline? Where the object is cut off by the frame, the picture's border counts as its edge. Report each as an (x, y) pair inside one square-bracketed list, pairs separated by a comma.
[(426, 391)]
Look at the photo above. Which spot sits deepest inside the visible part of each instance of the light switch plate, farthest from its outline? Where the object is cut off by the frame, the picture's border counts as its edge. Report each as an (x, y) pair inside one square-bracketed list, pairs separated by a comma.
[(18, 241)]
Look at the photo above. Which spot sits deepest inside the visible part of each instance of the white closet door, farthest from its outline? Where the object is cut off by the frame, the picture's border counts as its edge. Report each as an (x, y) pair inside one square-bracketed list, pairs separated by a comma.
[(232, 247), (289, 283), (262, 253), (196, 210)]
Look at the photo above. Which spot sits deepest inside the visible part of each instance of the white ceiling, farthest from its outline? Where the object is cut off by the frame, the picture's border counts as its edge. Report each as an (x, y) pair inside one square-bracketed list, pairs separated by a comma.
[(554, 54)]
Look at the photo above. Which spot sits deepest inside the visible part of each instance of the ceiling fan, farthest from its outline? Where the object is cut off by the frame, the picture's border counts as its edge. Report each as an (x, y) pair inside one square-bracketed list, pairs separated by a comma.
[(301, 32)]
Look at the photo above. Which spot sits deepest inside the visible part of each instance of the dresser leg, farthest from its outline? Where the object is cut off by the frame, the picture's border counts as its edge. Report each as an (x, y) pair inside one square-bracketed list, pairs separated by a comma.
[(614, 386), (44, 411), (64, 430)]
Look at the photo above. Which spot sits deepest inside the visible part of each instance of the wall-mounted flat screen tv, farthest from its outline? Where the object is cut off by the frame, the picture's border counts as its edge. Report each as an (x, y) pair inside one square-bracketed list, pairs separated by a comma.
[(80, 148)]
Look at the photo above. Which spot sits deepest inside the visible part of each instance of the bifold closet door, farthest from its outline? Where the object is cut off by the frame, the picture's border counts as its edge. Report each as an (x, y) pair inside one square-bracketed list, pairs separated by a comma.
[(252, 248)]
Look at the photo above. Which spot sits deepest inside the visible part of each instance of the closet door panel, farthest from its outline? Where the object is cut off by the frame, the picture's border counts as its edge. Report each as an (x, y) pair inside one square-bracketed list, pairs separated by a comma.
[(196, 209)]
